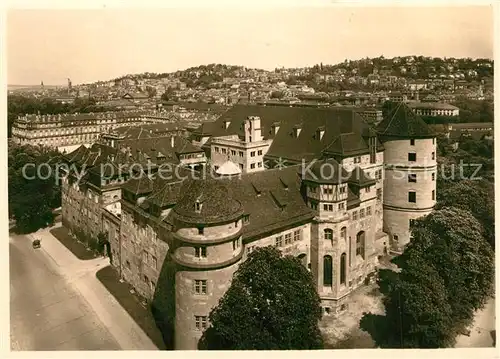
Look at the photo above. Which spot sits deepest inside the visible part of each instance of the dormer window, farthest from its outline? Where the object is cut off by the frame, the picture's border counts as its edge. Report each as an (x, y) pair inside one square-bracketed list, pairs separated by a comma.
[(226, 124), (319, 133), (197, 206), (296, 131)]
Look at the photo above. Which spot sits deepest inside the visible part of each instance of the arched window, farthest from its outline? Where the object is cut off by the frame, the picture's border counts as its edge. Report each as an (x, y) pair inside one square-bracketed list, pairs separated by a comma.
[(360, 244), (327, 270), (329, 234), (343, 233), (343, 268)]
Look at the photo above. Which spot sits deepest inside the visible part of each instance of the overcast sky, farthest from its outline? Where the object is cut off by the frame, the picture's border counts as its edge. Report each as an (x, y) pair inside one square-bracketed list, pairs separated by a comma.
[(91, 45)]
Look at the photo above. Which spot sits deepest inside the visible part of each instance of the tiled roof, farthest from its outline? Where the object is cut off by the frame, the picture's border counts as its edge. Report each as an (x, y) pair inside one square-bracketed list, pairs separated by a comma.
[(402, 122), (308, 145), (327, 171), (359, 177), (213, 198), (147, 131), (140, 185)]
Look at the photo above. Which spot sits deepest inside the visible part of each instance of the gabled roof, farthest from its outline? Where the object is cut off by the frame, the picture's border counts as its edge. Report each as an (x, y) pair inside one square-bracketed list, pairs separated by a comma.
[(402, 122), (359, 177), (307, 145), (327, 171)]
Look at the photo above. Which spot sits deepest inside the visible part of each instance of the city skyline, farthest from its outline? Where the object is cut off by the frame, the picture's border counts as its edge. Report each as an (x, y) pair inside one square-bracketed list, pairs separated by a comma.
[(93, 45)]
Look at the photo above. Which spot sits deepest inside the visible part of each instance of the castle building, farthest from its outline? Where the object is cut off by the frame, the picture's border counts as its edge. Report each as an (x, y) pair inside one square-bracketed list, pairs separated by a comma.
[(92, 179), (75, 129), (410, 172), (323, 199)]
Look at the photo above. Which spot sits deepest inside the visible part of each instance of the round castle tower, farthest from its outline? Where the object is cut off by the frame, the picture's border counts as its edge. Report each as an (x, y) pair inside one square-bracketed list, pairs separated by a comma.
[(410, 172), (207, 233)]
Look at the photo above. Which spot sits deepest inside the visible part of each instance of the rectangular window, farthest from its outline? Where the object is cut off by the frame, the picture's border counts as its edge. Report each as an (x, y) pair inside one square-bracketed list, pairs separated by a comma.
[(259, 164), (433, 141), (224, 150), (412, 157), (241, 153), (279, 241), (433, 176), (200, 322), (368, 211), (201, 230), (200, 286), (342, 189), (341, 206), (252, 154), (259, 152), (367, 189), (379, 193), (233, 152), (296, 235), (433, 155), (412, 142), (216, 149), (200, 252), (412, 197), (252, 165), (433, 195), (412, 177), (361, 213), (355, 215), (288, 238), (146, 279)]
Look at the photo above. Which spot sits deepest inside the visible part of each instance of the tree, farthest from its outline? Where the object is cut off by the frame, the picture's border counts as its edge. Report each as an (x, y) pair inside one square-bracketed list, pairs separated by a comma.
[(272, 304), (445, 273), (417, 314), (32, 194), (451, 241), (477, 197)]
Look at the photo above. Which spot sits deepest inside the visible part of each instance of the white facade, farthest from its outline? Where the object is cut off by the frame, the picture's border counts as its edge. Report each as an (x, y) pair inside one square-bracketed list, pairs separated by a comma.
[(409, 185)]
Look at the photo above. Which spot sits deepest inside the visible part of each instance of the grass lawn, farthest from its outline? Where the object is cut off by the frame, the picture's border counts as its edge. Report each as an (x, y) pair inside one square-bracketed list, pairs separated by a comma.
[(131, 303), (77, 248)]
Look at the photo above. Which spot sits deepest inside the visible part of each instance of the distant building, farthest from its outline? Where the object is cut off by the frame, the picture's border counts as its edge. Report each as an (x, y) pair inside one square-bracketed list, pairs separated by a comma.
[(475, 130), (75, 129), (434, 109)]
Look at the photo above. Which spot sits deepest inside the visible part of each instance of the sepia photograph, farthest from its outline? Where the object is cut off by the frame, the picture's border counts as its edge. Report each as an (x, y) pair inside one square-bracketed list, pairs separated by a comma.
[(260, 177)]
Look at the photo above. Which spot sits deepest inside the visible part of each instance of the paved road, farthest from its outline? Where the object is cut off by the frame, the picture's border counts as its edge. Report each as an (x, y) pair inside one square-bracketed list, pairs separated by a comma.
[(47, 312), (480, 335)]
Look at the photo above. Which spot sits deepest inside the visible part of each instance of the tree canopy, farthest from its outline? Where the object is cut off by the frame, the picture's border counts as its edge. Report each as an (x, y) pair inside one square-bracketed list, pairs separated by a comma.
[(31, 196), (445, 273), (272, 304), (477, 197)]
